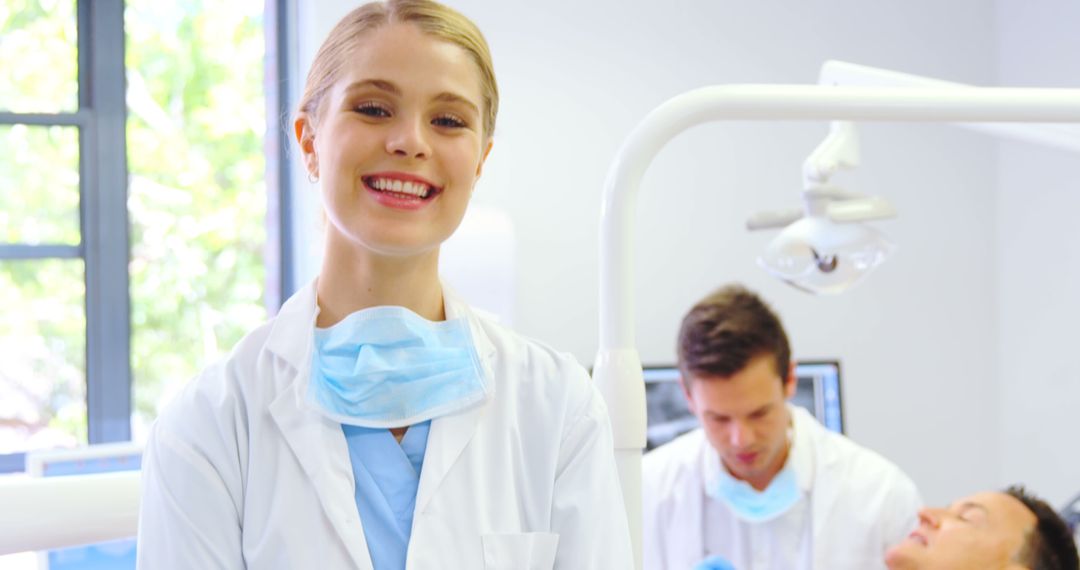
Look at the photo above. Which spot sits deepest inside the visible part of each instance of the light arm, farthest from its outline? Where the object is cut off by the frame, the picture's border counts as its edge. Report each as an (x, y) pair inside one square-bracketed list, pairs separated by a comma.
[(1064, 137), (42, 513)]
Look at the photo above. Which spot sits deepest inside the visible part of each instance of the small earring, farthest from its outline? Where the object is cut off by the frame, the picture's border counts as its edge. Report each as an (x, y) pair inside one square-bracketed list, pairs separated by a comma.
[(312, 177)]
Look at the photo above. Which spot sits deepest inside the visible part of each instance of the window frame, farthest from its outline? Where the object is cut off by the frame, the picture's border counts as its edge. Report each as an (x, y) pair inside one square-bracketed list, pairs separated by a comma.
[(104, 247)]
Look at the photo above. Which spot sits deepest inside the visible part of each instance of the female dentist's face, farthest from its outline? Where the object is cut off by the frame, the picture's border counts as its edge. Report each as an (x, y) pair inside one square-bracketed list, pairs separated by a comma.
[(399, 142)]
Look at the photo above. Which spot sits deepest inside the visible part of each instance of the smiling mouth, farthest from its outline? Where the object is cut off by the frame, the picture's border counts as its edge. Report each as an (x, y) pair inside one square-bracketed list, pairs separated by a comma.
[(404, 189)]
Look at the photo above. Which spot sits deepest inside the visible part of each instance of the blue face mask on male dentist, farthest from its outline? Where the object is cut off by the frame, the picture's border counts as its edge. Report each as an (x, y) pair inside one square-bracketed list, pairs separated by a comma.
[(387, 367), (756, 506)]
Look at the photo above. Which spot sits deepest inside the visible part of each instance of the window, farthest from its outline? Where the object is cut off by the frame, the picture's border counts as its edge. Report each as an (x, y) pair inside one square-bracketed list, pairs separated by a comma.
[(139, 233)]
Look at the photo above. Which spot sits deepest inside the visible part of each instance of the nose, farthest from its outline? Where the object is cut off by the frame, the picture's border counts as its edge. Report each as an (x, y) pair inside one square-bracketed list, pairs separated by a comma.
[(930, 517), (741, 436), (408, 138)]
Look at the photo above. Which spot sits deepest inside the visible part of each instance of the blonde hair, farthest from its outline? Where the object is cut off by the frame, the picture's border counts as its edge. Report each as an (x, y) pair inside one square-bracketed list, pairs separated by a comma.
[(432, 18)]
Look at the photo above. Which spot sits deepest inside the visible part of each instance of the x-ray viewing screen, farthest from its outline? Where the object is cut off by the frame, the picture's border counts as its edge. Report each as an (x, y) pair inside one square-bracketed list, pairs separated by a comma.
[(818, 390)]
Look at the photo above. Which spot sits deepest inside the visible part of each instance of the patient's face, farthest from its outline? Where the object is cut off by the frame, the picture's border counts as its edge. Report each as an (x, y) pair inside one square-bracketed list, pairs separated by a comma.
[(981, 532)]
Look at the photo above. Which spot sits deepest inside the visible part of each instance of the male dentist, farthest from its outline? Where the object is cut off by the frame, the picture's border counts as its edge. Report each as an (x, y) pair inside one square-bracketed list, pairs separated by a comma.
[(762, 485)]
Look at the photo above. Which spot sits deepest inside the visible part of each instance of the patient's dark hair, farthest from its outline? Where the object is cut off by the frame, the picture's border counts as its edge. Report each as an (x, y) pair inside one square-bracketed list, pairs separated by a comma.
[(1050, 545), (727, 329)]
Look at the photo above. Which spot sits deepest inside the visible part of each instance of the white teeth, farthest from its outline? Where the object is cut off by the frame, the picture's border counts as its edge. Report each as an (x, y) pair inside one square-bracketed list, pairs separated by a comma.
[(409, 187)]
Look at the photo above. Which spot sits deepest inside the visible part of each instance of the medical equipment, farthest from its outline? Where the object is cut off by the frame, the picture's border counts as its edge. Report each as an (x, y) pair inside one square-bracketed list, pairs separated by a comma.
[(756, 506), (826, 248), (847, 93), (73, 497), (388, 367)]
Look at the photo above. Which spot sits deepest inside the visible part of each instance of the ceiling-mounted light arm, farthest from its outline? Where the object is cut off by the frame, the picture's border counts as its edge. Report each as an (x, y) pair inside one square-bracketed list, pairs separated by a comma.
[(839, 150), (617, 368), (1054, 134), (782, 103)]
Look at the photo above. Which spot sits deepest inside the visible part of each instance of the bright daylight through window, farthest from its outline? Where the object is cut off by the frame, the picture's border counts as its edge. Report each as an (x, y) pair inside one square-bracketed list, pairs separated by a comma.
[(196, 205)]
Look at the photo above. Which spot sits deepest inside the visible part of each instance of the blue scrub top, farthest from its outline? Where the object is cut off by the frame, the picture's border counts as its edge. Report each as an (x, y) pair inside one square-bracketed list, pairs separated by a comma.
[(387, 475)]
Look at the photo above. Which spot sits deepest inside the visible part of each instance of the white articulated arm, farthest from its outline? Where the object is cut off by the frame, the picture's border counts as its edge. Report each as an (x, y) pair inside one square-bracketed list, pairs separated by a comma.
[(1060, 136), (41, 513)]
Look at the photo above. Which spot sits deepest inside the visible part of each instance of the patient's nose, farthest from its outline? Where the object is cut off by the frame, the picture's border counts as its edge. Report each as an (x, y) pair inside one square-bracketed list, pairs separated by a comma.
[(930, 517)]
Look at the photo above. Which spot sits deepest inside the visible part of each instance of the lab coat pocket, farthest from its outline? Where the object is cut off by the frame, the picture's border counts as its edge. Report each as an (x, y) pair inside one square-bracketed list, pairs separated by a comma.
[(520, 550)]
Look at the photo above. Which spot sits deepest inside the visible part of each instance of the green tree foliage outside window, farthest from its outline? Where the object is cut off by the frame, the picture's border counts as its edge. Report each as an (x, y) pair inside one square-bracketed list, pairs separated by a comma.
[(196, 205), (42, 319), (197, 193)]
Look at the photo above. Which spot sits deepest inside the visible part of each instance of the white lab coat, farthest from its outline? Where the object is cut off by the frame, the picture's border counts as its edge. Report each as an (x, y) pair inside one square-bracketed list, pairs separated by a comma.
[(240, 472), (855, 504)]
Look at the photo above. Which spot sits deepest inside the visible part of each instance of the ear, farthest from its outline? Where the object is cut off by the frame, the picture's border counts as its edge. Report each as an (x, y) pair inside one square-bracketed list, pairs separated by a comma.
[(791, 382), (484, 155), (305, 136)]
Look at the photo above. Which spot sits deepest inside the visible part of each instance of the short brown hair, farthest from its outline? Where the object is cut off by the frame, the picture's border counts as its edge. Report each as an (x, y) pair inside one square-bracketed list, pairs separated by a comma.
[(434, 19), (1050, 545), (728, 328)]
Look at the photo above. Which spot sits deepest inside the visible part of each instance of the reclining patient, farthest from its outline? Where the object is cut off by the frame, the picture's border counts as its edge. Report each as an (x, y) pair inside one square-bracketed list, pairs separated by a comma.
[(1009, 530)]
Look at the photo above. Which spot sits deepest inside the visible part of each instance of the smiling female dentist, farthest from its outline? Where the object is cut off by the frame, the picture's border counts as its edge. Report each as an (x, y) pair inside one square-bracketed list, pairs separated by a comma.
[(377, 422)]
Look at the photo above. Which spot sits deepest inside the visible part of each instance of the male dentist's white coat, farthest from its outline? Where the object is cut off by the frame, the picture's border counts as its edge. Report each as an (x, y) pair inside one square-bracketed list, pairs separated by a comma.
[(855, 505), (241, 473)]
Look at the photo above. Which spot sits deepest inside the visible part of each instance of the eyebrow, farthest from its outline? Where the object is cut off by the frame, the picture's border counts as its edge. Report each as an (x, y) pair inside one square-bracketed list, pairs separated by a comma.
[(760, 410), (379, 84), (389, 87)]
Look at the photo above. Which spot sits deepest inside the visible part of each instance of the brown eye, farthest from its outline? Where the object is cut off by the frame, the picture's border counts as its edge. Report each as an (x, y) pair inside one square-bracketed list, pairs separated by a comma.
[(372, 110), (448, 121)]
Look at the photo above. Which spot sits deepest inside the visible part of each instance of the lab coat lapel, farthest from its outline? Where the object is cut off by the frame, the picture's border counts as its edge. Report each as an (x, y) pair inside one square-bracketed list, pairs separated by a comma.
[(318, 443), (804, 459), (448, 437), (688, 542), (450, 434), (819, 482)]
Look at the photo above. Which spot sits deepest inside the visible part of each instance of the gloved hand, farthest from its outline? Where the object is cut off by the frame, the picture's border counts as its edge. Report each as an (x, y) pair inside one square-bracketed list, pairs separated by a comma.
[(714, 563)]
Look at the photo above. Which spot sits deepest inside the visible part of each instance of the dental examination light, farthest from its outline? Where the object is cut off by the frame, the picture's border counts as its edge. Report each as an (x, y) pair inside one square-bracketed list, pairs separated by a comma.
[(825, 247), (821, 240)]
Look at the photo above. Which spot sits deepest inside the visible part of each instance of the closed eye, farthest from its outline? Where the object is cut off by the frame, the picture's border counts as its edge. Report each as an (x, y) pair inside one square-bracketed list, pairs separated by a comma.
[(972, 513), (970, 518)]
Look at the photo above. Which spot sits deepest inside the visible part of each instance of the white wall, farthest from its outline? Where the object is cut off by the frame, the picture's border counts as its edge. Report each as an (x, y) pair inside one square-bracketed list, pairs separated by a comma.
[(916, 341), (1039, 263)]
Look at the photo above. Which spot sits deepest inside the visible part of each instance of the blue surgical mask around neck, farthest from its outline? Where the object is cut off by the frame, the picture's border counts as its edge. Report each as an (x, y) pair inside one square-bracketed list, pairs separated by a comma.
[(752, 505), (388, 367)]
